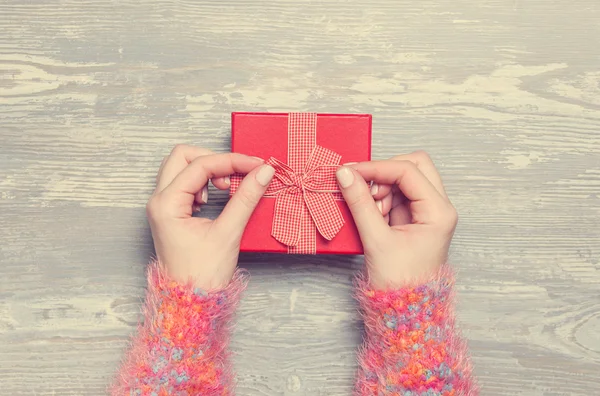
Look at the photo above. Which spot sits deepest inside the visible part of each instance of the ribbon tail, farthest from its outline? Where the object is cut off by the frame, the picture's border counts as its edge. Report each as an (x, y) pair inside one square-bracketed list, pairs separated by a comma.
[(325, 213), (286, 224)]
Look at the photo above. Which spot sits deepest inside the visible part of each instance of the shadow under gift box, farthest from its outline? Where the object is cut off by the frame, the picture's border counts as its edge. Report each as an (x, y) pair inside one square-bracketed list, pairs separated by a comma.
[(265, 135)]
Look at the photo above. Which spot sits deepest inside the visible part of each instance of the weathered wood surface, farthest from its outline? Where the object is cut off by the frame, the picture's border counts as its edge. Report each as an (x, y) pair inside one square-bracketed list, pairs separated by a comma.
[(505, 95)]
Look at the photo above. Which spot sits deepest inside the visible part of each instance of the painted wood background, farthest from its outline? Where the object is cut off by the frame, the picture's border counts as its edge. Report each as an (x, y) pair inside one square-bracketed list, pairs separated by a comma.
[(504, 94)]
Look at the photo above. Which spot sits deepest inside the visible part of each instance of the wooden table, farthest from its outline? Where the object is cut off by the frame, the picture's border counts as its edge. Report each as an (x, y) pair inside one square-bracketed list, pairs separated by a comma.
[(504, 94)]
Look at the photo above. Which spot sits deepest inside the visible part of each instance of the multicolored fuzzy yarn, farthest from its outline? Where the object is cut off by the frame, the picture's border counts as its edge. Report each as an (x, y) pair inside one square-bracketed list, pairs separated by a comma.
[(411, 345), (181, 348)]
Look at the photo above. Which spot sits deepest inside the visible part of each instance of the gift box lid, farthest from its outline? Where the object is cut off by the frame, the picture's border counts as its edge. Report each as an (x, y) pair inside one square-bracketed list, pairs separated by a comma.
[(266, 135)]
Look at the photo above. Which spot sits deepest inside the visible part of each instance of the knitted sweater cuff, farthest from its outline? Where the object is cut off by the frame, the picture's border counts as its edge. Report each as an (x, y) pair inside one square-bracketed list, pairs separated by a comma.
[(182, 344), (411, 344)]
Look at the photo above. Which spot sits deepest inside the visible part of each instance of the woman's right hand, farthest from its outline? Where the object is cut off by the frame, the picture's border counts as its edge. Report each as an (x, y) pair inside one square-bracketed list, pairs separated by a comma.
[(405, 221)]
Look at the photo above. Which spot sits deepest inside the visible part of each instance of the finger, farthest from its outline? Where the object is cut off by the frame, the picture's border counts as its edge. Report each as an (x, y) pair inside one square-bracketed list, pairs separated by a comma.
[(367, 216), (427, 204), (400, 213), (222, 183), (240, 207), (427, 167), (379, 191), (196, 175), (181, 156), (386, 204), (201, 197)]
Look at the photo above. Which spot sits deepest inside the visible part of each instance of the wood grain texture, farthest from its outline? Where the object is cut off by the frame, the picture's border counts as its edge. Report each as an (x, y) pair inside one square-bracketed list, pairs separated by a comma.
[(504, 94)]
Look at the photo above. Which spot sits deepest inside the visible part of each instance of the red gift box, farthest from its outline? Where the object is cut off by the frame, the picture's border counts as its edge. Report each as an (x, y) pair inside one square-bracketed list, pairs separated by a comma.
[(303, 206)]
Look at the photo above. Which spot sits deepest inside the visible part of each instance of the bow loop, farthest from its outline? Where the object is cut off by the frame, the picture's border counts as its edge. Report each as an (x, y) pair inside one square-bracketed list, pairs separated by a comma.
[(312, 188)]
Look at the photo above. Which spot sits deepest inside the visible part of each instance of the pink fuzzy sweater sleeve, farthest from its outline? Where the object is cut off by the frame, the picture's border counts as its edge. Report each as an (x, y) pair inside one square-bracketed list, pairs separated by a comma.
[(411, 345), (181, 347)]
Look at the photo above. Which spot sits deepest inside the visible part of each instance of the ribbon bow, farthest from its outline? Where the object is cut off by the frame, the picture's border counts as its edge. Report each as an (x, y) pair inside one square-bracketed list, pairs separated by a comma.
[(305, 189), (312, 190)]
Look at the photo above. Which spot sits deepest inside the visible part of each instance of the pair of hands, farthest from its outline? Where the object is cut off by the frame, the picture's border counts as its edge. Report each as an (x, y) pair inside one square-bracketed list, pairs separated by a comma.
[(405, 219)]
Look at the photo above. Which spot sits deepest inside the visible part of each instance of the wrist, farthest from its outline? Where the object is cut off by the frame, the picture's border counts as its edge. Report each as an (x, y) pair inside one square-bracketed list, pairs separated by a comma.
[(200, 268), (399, 276)]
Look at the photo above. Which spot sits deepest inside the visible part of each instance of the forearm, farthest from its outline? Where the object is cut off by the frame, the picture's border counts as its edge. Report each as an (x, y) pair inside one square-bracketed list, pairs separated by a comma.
[(181, 348), (411, 344)]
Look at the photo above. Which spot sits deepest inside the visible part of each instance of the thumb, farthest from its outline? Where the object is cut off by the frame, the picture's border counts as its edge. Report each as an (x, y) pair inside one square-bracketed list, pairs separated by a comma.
[(356, 192), (240, 207)]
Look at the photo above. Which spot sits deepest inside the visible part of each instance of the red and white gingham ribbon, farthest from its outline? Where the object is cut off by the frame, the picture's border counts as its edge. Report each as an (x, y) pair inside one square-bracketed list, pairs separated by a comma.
[(305, 189)]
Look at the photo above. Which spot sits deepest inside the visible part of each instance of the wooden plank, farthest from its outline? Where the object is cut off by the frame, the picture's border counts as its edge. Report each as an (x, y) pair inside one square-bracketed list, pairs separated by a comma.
[(503, 94)]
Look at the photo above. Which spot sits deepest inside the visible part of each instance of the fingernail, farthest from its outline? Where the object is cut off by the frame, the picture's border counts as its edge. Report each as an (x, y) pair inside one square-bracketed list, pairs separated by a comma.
[(204, 196), (264, 175), (227, 180), (195, 208), (350, 163), (374, 188), (258, 158), (345, 177), (379, 206)]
